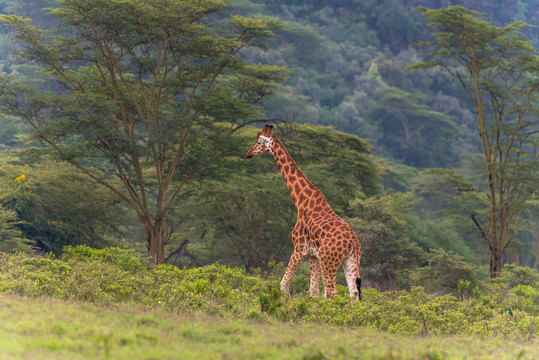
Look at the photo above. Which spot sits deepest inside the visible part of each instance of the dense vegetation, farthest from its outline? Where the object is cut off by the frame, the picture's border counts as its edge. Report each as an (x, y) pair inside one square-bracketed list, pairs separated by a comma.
[(508, 308), (123, 131), (399, 160)]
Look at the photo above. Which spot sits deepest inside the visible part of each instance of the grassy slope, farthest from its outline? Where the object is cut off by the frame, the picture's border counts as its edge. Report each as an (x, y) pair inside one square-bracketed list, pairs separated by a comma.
[(43, 328)]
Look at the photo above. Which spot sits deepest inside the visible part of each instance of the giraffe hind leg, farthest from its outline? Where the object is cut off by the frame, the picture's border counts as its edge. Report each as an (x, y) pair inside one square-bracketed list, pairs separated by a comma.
[(351, 272), (329, 272)]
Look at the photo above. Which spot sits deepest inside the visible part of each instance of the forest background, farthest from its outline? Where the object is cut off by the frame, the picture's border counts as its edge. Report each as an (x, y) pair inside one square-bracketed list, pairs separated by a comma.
[(348, 63)]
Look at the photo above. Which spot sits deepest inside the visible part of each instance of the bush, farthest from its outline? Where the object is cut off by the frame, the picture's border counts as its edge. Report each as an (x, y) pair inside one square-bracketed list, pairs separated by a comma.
[(514, 275), (111, 276), (57, 205), (388, 255), (444, 273), (127, 260)]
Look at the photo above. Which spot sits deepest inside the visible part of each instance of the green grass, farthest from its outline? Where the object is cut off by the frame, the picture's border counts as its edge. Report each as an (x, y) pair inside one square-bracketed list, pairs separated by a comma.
[(44, 328), (111, 304)]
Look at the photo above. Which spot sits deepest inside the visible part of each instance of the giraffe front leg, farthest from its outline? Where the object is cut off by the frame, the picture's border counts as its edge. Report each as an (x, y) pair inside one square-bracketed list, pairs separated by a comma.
[(293, 265), (314, 289)]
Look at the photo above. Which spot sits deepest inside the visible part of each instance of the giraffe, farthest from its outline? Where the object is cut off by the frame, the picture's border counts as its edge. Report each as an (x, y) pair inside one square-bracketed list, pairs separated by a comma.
[(319, 233)]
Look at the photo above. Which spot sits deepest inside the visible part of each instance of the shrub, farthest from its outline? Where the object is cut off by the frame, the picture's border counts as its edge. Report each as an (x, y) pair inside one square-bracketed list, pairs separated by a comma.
[(444, 272), (127, 260), (514, 275), (110, 276), (57, 205), (388, 254)]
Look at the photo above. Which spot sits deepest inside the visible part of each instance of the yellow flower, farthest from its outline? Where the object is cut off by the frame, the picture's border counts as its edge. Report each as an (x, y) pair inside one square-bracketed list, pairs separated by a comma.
[(20, 178)]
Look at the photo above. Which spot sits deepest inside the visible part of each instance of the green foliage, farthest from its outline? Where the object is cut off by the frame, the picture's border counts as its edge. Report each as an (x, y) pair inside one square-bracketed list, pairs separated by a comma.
[(134, 87), (271, 299), (11, 238), (113, 276), (412, 131), (455, 200), (11, 130), (387, 254), (444, 272), (497, 68), (304, 41), (126, 260), (373, 74), (345, 55), (366, 46), (436, 233), (396, 177), (339, 164), (57, 205), (346, 39), (514, 275)]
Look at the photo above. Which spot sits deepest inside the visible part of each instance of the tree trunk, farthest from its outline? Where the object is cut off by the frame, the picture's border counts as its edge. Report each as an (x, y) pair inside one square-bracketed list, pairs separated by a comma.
[(180, 252), (513, 257), (155, 236), (496, 262), (496, 256), (251, 262)]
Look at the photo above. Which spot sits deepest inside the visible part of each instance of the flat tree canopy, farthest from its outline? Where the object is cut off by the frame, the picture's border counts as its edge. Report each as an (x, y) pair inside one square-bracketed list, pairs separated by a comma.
[(126, 89)]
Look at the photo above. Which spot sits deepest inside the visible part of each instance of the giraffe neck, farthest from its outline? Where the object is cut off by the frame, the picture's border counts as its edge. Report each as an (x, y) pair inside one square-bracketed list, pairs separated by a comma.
[(301, 189)]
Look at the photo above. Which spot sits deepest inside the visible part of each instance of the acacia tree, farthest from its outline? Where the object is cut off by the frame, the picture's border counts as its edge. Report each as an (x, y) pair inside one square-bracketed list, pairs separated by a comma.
[(497, 67), (126, 90)]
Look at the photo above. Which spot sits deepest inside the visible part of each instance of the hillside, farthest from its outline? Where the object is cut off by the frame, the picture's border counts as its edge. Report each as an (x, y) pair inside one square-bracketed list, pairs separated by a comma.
[(344, 53)]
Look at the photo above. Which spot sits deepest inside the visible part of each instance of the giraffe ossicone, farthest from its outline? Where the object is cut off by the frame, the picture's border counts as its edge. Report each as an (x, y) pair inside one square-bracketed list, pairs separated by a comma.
[(319, 234)]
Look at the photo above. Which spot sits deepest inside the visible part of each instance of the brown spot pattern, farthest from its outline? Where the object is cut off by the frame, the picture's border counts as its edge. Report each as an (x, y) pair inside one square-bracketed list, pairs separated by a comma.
[(319, 232)]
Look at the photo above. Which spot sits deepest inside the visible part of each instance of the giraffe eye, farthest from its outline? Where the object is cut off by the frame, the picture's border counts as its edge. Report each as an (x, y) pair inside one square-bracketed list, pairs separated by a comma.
[(259, 143)]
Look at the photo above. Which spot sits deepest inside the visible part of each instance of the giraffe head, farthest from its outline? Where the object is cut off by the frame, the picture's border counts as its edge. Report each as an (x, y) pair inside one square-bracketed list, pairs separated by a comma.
[(264, 141)]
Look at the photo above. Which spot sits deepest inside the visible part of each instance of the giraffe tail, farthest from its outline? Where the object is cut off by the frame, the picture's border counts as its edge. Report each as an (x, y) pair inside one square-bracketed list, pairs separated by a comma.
[(358, 279)]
